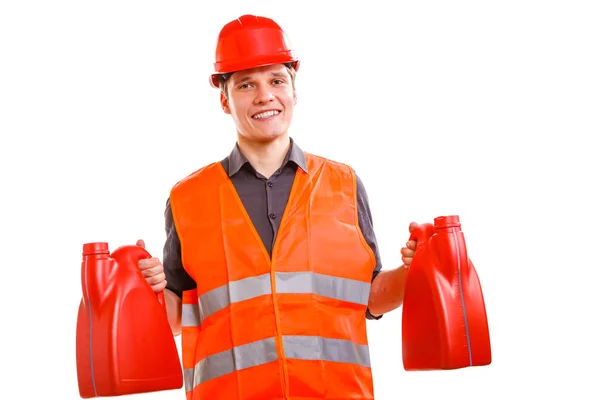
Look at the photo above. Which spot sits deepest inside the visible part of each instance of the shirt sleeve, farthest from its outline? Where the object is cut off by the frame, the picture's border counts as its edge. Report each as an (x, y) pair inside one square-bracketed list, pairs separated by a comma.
[(178, 280), (365, 221)]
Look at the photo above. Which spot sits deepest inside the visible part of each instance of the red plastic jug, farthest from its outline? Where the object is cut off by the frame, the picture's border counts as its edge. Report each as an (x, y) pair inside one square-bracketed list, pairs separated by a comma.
[(444, 321), (124, 341)]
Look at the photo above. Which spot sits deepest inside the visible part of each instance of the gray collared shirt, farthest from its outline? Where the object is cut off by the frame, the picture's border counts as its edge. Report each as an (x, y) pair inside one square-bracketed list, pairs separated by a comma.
[(264, 200)]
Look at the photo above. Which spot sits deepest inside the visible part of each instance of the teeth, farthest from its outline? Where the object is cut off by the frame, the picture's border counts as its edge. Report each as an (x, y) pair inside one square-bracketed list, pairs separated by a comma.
[(266, 114)]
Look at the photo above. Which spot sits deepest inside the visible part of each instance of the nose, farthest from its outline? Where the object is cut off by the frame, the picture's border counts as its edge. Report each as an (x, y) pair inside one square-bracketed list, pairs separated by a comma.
[(264, 95)]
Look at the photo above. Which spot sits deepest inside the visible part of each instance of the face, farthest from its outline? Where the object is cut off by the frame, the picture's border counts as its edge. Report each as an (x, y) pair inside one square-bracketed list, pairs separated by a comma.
[(261, 102)]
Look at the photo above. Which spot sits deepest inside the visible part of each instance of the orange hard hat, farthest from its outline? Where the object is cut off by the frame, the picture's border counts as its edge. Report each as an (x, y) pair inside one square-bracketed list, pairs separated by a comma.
[(248, 42)]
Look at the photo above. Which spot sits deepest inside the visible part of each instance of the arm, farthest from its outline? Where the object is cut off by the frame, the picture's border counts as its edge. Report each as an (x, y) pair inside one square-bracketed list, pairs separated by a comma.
[(178, 280), (170, 277), (173, 303), (387, 290), (153, 270), (365, 222), (387, 287)]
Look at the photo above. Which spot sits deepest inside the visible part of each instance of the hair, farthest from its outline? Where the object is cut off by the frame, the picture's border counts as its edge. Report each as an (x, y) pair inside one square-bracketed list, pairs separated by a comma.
[(224, 78)]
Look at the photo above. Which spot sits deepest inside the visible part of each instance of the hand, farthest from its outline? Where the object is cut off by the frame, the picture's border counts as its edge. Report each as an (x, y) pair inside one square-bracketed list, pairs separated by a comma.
[(408, 252), (153, 270)]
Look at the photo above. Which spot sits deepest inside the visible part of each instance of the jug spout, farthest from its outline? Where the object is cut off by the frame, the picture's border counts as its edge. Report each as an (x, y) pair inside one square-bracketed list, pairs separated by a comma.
[(95, 248), (449, 221)]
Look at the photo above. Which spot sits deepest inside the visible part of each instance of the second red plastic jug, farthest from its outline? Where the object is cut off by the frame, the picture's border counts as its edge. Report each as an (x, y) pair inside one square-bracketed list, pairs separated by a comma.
[(444, 321), (124, 341)]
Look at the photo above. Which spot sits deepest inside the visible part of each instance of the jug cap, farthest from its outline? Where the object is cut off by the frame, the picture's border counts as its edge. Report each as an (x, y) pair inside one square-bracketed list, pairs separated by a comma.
[(95, 248), (448, 221)]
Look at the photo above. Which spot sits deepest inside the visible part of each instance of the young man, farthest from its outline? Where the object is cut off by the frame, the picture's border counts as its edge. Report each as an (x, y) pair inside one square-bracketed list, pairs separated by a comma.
[(271, 265)]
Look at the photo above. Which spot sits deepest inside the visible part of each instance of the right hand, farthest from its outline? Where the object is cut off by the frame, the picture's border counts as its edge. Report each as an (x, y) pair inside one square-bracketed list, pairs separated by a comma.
[(408, 252), (153, 270)]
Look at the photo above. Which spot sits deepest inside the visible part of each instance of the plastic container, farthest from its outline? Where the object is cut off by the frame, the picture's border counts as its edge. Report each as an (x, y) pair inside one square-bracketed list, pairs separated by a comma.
[(124, 341), (444, 320)]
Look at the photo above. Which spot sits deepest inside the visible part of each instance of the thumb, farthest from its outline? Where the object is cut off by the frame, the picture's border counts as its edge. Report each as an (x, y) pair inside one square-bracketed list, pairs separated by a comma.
[(141, 243), (412, 226)]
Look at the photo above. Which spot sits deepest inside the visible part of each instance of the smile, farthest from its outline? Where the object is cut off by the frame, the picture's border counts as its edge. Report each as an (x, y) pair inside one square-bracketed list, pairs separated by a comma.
[(266, 114)]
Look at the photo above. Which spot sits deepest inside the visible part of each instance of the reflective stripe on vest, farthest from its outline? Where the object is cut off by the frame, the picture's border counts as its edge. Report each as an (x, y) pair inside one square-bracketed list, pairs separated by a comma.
[(343, 289), (263, 351)]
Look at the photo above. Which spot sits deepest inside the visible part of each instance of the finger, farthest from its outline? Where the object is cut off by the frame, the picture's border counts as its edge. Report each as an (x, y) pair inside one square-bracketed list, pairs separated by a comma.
[(407, 252), (146, 263), (412, 226), (148, 272), (159, 286), (141, 243), (412, 244), (153, 280), (407, 260)]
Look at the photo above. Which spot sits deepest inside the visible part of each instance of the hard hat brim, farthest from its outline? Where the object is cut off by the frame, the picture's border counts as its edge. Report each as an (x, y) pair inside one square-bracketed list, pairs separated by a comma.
[(249, 64)]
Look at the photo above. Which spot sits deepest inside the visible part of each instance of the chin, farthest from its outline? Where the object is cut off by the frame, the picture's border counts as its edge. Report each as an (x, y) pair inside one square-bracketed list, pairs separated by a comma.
[(270, 136), (267, 136)]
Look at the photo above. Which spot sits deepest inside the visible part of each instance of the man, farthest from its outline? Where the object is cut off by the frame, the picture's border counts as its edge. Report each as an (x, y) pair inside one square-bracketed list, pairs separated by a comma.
[(271, 265)]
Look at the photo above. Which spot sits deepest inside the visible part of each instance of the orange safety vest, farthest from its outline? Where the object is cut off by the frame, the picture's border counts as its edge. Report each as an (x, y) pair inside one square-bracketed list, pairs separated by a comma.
[(292, 326)]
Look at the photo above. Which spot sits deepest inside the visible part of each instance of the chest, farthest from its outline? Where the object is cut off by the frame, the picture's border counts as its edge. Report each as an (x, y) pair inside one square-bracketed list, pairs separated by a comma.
[(264, 200)]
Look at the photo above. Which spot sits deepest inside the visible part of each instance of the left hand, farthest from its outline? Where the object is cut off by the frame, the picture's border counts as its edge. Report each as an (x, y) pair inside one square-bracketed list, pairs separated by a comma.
[(408, 252)]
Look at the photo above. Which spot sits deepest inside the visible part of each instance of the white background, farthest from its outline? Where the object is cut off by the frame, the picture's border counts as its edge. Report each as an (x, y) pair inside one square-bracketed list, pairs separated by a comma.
[(488, 110)]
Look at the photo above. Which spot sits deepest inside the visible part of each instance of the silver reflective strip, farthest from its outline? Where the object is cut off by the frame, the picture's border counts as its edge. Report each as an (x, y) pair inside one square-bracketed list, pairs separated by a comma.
[(190, 315), (344, 289), (225, 362), (188, 379), (263, 351), (325, 349), (244, 289)]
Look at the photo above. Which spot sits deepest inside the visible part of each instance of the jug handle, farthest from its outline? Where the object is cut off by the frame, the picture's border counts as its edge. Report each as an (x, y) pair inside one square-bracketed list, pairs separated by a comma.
[(421, 233), (160, 296), (138, 253)]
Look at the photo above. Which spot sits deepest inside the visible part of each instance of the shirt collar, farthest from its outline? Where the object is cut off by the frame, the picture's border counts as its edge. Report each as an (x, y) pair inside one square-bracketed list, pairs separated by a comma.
[(237, 160)]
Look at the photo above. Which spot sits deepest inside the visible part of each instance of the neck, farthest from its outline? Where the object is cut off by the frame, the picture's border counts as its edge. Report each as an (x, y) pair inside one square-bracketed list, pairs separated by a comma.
[(265, 157)]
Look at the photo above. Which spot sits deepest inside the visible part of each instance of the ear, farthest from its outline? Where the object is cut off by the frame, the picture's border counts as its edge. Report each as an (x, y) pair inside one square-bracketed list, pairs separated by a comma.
[(295, 97), (225, 104)]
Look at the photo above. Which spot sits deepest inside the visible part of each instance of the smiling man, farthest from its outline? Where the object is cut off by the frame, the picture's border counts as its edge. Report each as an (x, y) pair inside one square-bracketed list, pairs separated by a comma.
[(271, 266), (261, 102)]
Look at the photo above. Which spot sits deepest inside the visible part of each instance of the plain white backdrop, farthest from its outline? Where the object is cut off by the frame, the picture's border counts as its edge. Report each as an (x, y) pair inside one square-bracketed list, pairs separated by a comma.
[(487, 110)]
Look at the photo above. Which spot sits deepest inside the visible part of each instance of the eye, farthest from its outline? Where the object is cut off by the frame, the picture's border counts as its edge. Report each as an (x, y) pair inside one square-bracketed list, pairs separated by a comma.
[(279, 81), (244, 86)]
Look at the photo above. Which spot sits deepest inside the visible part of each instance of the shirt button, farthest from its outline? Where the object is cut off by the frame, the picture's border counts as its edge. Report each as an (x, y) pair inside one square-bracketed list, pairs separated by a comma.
[(270, 184), (272, 216)]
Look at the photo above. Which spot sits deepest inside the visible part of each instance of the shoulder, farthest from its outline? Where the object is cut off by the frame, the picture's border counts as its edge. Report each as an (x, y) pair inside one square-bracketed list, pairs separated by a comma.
[(193, 177), (317, 161), (346, 168)]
